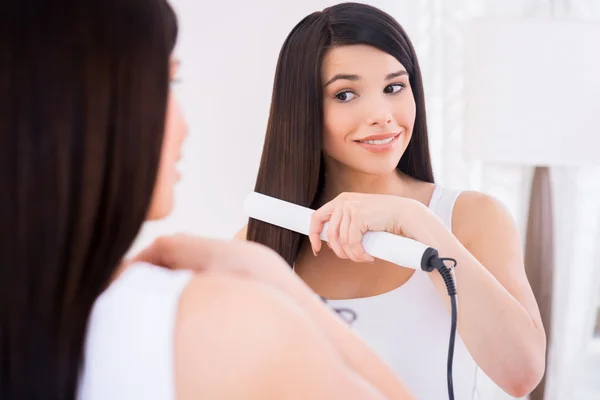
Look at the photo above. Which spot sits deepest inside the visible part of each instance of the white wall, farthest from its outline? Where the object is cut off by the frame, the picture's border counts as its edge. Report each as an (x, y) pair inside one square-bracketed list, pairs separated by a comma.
[(228, 53)]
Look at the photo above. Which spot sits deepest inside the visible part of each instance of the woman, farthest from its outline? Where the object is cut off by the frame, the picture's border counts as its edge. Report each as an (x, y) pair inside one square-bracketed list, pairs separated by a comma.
[(89, 138), (347, 135)]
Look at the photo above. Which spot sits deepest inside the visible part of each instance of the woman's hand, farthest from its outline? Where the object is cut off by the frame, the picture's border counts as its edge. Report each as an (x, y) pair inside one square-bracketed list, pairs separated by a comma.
[(350, 215), (241, 258)]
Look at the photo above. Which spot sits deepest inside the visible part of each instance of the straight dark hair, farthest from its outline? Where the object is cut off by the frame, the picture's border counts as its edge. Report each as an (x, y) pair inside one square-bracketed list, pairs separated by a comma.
[(83, 97), (292, 167)]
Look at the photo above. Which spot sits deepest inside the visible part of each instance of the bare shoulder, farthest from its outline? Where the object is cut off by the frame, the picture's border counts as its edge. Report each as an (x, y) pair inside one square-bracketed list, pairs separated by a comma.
[(476, 214), (233, 330), (242, 234)]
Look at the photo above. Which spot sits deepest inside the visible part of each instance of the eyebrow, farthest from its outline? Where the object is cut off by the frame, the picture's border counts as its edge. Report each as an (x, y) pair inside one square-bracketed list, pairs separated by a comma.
[(350, 77), (395, 75)]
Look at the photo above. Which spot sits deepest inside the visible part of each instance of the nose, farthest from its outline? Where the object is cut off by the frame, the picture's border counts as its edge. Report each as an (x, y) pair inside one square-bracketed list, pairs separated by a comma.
[(380, 113)]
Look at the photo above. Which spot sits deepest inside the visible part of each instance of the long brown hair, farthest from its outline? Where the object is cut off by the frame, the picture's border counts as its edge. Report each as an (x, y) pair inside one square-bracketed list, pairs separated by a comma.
[(292, 166), (83, 97)]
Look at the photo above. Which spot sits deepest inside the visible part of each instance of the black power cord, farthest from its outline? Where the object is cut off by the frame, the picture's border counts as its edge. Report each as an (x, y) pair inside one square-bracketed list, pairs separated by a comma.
[(431, 261)]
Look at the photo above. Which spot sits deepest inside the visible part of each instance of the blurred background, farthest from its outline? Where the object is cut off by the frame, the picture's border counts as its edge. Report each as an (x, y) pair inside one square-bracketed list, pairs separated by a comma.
[(228, 51)]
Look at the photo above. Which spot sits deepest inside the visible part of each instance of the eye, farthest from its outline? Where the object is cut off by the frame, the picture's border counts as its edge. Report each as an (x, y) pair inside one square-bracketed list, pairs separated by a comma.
[(345, 96), (394, 88)]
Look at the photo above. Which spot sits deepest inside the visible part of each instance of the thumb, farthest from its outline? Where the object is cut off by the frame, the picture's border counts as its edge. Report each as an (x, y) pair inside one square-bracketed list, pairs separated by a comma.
[(154, 254)]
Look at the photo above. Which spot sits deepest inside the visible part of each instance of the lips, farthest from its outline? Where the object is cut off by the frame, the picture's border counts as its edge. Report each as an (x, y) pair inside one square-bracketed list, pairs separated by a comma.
[(379, 139), (380, 143)]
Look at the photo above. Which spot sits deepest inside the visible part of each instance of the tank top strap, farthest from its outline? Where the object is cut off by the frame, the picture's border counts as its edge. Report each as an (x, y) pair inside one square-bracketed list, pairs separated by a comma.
[(442, 203)]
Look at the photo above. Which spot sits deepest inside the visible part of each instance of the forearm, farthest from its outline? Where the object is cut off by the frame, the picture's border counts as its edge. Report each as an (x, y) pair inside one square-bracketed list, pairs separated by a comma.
[(498, 331), (357, 355)]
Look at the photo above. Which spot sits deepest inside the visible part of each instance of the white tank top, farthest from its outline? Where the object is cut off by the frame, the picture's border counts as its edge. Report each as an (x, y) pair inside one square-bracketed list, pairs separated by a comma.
[(409, 328), (130, 339)]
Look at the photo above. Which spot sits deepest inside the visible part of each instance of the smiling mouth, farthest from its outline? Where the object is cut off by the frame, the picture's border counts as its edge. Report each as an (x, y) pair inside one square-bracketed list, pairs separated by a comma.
[(383, 141), (378, 141)]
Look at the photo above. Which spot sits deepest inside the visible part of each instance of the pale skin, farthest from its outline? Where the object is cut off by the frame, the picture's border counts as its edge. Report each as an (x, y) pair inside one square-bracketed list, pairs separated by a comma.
[(246, 326), (499, 320)]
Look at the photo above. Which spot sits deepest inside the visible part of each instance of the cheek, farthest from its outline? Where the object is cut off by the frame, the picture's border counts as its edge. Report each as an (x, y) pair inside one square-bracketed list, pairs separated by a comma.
[(338, 123), (406, 112)]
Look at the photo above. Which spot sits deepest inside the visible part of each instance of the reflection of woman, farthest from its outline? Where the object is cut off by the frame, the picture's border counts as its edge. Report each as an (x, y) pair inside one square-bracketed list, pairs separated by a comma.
[(89, 137), (348, 116)]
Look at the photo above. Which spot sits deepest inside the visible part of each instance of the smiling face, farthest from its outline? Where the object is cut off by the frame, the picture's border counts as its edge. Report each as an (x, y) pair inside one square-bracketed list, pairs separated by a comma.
[(369, 109)]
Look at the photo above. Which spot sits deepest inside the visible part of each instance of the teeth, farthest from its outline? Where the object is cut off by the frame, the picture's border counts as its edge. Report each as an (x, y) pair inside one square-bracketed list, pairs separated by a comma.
[(384, 141)]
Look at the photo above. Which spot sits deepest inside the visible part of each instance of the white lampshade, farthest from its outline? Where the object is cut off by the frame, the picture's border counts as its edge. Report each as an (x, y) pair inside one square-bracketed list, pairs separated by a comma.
[(532, 91)]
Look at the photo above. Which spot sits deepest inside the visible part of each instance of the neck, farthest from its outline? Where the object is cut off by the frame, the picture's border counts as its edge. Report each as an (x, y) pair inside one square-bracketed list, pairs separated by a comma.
[(339, 179)]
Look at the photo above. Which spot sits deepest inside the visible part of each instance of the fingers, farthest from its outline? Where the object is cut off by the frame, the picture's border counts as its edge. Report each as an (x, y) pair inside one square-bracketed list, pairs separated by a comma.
[(345, 227), (351, 234), (333, 233), (345, 230), (343, 236), (355, 236), (178, 251), (317, 221), (155, 253)]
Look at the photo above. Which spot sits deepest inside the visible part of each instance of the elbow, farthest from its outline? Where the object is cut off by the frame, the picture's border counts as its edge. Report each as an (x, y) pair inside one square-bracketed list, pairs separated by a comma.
[(528, 376), (523, 386)]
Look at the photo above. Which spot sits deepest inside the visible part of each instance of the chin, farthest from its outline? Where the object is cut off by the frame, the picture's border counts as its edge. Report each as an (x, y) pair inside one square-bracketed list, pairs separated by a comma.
[(378, 163), (382, 167), (160, 211)]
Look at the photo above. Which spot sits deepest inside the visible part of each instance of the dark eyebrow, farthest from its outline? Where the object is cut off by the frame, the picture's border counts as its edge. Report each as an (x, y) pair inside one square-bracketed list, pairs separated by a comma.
[(395, 75), (342, 76), (351, 77)]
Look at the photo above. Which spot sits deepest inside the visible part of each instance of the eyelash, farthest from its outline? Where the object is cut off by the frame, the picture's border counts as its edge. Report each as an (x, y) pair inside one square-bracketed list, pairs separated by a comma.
[(402, 86)]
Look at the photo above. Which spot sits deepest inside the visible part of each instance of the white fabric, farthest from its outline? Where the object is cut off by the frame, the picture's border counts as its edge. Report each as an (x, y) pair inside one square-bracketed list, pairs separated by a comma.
[(409, 327), (129, 344)]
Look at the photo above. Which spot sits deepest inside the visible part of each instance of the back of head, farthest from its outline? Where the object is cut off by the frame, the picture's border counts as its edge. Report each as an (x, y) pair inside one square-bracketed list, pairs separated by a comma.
[(83, 95), (292, 166)]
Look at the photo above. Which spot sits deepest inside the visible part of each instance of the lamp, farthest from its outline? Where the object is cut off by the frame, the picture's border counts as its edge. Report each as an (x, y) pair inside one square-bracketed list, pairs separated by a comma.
[(533, 99)]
